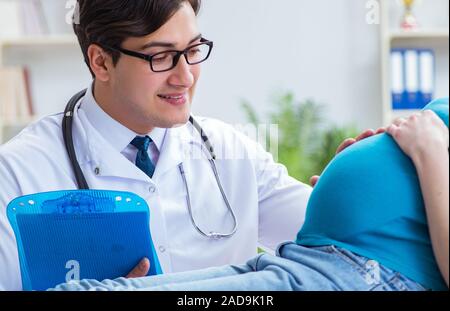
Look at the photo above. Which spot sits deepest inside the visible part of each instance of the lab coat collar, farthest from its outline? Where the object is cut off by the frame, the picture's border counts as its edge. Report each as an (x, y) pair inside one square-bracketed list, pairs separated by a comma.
[(98, 156), (110, 162), (118, 135)]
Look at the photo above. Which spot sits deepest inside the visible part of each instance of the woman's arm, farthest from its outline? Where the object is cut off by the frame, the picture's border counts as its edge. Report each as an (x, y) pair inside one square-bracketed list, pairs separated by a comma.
[(425, 139), (433, 171)]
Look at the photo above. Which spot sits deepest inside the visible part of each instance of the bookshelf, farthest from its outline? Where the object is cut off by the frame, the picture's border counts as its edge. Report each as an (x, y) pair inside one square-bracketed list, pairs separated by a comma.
[(46, 57), (34, 41), (9, 129), (425, 36)]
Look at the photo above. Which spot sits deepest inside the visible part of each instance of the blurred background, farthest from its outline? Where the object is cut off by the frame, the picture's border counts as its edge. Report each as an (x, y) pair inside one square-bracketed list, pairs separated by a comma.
[(320, 69)]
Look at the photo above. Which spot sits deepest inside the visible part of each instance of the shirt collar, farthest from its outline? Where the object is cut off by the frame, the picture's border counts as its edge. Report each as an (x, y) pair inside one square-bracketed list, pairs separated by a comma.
[(118, 135)]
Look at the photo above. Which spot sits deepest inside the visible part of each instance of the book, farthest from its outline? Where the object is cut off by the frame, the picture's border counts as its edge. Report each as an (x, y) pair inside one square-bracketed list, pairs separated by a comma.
[(26, 74), (411, 79), (397, 85), (7, 94), (427, 76), (15, 96), (10, 24), (32, 18)]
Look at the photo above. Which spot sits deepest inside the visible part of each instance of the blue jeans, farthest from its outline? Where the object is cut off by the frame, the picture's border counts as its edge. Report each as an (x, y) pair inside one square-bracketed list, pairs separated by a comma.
[(295, 267)]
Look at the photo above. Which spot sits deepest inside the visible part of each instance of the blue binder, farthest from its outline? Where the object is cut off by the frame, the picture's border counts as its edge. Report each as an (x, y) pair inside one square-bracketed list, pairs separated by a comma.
[(90, 234), (412, 77), (397, 79), (427, 76)]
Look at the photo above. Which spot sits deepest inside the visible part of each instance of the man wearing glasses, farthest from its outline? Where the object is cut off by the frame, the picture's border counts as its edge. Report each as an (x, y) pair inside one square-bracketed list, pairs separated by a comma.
[(131, 133)]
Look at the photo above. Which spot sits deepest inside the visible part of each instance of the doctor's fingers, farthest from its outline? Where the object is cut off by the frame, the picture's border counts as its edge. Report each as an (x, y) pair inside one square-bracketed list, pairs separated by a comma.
[(313, 180), (346, 143), (381, 130), (140, 270), (367, 133), (350, 141)]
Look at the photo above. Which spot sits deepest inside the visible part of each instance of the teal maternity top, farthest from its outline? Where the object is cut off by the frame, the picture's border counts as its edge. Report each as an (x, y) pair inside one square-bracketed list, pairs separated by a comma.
[(368, 201)]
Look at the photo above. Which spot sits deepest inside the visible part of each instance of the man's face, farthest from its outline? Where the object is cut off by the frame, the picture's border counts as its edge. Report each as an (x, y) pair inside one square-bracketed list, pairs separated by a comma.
[(157, 99)]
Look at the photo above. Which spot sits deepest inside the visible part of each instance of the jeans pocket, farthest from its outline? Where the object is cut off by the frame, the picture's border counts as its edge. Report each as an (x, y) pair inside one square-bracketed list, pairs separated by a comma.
[(371, 272), (358, 262)]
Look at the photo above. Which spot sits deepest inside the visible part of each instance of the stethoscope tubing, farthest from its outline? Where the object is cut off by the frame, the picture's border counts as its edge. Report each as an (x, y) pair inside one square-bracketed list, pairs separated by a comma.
[(67, 124)]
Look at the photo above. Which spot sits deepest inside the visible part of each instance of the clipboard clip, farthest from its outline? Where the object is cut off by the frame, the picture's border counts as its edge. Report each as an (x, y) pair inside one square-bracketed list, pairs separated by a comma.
[(78, 203)]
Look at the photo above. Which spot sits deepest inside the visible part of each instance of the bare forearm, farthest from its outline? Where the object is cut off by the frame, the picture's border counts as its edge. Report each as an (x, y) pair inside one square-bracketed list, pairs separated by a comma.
[(433, 171)]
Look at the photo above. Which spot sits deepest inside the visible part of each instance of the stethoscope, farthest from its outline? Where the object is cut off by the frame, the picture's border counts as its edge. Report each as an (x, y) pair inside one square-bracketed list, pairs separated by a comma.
[(81, 180)]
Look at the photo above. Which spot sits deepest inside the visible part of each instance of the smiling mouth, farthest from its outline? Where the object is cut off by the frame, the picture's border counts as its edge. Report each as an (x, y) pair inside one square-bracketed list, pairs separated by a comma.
[(174, 99), (172, 96)]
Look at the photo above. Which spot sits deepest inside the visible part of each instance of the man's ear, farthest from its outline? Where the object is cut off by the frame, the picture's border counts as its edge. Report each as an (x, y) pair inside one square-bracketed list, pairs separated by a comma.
[(100, 62)]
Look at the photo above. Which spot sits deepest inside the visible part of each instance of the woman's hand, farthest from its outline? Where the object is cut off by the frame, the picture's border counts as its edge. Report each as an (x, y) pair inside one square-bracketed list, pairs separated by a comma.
[(420, 134)]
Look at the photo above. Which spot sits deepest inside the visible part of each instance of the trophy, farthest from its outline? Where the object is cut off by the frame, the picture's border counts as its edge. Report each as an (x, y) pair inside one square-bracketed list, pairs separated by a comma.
[(409, 21)]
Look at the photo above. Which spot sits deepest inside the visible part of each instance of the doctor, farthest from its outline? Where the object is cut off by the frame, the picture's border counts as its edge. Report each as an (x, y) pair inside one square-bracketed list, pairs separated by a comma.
[(131, 132)]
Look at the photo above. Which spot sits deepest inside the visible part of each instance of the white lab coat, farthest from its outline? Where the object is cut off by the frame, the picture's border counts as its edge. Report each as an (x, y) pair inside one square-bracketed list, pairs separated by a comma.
[(269, 205)]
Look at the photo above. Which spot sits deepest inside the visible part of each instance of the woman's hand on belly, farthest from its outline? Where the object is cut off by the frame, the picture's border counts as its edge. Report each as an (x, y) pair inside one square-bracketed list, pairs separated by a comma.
[(420, 135)]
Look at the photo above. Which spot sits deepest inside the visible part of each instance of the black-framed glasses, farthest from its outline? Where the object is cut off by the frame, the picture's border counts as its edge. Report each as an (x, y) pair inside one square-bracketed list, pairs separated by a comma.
[(167, 60)]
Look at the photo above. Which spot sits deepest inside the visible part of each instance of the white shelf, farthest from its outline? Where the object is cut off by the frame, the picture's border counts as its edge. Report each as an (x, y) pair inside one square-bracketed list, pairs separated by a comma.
[(50, 40), (441, 34)]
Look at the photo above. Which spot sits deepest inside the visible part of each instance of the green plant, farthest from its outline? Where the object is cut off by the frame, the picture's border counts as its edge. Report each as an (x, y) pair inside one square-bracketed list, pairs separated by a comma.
[(330, 140), (305, 145)]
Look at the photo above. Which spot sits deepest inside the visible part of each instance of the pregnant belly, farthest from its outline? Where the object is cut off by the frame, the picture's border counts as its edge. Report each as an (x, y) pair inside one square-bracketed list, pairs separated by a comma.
[(367, 185)]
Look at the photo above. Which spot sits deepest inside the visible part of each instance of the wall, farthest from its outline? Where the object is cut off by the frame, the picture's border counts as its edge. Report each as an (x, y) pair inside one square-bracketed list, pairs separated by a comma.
[(319, 49)]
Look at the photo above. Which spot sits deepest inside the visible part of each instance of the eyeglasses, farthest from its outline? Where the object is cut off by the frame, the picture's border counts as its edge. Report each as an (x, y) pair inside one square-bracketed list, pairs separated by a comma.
[(167, 60)]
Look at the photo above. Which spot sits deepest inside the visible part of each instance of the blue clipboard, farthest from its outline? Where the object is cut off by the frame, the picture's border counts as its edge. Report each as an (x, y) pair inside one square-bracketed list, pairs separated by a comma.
[(86, 234)]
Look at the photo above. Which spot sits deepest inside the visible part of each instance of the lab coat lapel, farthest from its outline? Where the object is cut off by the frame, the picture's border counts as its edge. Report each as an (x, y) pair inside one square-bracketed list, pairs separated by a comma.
[(173, 150), (100, 154), (113, 163), (101, 158)]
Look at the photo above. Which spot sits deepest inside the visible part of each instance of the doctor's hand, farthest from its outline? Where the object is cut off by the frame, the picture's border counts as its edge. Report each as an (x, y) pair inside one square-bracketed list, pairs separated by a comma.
[(347, 143), (140, 270), (350, 141)]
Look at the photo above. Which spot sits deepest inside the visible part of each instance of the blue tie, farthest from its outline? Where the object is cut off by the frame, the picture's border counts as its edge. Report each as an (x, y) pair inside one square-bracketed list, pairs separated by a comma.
[(142, 159)]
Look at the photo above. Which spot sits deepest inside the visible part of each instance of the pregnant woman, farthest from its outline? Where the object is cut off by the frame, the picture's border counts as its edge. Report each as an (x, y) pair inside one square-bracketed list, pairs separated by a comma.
[(377, 220)]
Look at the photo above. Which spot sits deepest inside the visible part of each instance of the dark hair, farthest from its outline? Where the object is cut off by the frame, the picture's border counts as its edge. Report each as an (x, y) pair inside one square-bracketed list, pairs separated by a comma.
[(110, 22)]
